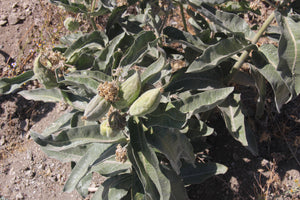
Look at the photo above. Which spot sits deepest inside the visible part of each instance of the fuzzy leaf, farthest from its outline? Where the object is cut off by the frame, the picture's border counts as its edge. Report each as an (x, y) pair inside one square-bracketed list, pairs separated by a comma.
[(83, 185), (204, 101), (68, 155), (236, 123), (45, 95), (8, 85), (156, 184), (186, 38), (59, 124), (234, 23), (96, 75), (289, 51), (174, 145), (217, 53), (203, 171), (261, 88), (166, 115), (207, 1), (106, 55), (206, 80), (94, 37), (138, 48), (153, 69), (269, 72), (82, 166), (111, 167), (74, 79), (178, 191), (71, 7), (73, 137), (114, 187)]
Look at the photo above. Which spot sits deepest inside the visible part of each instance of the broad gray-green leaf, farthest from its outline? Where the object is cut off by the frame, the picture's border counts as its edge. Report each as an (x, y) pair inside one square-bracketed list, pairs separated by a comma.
[(185, 38), (178, 191), (138, 48), (73, 137), (74, 79), (261, 88), (204, 101), (279, 86), (166, 115), (198, 128), (68, 155), (235, 24), (8, 85), (62, 122), (106, 55), (72, 7), (147, 163), (113, 188), (173, 144), (111, 167), (40, 94), (197, 2), (236, 124), (153, 69), (94, 37), (82, 166), (149, 189), (78, 102), (202, 171), (217, 53), (289, 51), (206, 80), (96, 75), (83, 185)]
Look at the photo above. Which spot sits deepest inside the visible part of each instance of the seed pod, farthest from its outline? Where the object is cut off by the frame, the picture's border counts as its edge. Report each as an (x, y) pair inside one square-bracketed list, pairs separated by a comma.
[(129, 91), (106, 130), (44, 75), (146, 103), (96, 109)]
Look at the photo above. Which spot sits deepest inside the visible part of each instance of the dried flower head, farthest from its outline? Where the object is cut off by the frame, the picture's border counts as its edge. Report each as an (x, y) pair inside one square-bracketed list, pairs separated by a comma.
[(109, 90), (121, 154)]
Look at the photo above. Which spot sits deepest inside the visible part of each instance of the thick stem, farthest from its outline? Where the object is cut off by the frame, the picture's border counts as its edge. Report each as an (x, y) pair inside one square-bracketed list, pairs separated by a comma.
[(254, 40), (183, 17)]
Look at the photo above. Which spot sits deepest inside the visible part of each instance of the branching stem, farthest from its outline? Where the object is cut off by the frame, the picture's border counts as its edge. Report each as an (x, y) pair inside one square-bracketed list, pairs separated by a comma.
[(254, 40)]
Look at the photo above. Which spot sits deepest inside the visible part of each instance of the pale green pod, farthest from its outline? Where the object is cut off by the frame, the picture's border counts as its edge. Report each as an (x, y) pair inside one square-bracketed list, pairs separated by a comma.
[(96, 109), (44, 75), (106, 130), (128, 92), (146, 103)]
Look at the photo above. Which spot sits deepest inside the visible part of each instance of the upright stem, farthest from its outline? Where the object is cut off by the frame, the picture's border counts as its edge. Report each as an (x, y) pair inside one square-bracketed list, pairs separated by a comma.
[(183, 17), (90, 17), (254, 40)]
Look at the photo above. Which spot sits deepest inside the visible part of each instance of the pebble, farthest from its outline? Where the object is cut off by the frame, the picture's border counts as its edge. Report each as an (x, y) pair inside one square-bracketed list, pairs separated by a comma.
[(2, 140), (19, 196), (3, 22)]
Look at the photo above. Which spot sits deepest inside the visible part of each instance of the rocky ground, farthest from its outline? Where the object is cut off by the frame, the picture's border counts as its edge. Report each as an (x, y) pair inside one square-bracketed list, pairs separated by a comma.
[(27, 27)]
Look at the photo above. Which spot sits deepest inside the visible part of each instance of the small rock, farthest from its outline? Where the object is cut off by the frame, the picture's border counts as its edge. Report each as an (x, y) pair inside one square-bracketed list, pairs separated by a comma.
[(13, 19), (15, 5), (2, 140), (19, 196), (3, 17), (3, 22)]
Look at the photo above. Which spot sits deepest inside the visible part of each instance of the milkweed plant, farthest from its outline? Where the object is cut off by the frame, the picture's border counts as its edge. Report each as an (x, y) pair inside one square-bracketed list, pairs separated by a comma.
[(142, 90)]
